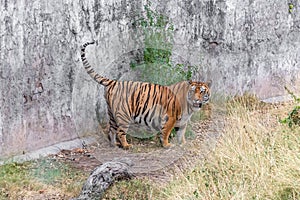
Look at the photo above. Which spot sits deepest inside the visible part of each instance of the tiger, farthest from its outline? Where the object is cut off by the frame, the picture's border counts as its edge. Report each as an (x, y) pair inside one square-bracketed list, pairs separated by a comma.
[(159, 107)]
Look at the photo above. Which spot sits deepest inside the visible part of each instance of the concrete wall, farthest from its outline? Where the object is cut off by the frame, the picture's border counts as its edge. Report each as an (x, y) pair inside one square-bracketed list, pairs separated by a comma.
[(242, 45), (46, 97)]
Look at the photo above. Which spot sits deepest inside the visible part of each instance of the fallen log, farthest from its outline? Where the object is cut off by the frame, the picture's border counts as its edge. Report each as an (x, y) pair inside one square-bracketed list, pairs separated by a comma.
[(104, 176)]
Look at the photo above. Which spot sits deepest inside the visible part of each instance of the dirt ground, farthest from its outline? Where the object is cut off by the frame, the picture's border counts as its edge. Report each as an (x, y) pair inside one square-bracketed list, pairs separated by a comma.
[(148, 157), (150, 160)]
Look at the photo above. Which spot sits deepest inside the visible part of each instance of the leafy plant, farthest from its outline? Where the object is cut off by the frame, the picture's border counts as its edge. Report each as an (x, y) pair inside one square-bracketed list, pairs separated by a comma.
[(291, 7), (156, 66), (293, 117)]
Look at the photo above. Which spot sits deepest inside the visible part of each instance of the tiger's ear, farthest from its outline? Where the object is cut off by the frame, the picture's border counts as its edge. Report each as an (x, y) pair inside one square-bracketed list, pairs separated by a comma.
[(209, 83), (190, 82)]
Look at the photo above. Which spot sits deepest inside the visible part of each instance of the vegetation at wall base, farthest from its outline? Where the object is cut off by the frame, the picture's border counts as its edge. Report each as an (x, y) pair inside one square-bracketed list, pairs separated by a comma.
[(157, 53), (293, 118)]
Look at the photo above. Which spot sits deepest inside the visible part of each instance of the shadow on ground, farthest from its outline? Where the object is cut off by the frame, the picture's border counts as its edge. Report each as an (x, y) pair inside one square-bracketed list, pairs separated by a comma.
[(148, 157)]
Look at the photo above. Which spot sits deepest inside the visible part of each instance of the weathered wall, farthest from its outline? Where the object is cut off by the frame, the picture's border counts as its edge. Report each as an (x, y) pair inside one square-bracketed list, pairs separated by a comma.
[(251, 45), (47, 97)]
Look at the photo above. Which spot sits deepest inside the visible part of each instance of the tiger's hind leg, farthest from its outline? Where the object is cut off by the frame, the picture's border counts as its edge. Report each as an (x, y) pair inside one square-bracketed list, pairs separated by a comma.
[(167, 126), (112, 129), (112, 133), (121, 132)]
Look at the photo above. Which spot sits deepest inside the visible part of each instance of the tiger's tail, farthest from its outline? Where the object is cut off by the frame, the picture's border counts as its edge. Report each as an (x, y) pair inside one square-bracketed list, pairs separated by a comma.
[(97, 77)]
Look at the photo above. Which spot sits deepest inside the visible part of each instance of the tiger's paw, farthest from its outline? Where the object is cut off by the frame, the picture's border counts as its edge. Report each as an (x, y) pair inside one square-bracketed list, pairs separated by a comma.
[(181, 143), (168, 145), (115, 144), (127, 146)]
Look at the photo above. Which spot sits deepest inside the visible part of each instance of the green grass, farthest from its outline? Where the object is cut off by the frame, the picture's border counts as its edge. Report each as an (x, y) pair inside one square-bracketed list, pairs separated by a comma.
[(43, 175), (293, 118)]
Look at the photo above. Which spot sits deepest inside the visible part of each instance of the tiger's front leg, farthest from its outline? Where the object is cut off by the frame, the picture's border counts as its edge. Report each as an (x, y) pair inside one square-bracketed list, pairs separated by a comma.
[(167, 127), (180, 132)]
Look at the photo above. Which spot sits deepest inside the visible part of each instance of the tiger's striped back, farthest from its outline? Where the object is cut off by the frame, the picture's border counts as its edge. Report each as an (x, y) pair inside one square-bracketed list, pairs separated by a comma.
[(142, 103)]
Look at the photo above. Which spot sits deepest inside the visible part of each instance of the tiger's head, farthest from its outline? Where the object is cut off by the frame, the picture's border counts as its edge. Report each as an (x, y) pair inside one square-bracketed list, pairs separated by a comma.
[(198, 94)]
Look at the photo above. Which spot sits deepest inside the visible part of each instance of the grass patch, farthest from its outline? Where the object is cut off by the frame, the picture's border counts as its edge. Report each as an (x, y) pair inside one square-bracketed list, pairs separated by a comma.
[(256, 158), (13, 178), (293, 118), (39, 177), (132, 189)]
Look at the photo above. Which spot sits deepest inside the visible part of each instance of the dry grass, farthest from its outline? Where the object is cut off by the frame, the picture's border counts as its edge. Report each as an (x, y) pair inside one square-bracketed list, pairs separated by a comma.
[(256, 158)]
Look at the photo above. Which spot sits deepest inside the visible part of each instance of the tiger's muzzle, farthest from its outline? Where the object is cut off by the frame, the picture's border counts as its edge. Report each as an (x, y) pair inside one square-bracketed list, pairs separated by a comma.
[(197, 104)]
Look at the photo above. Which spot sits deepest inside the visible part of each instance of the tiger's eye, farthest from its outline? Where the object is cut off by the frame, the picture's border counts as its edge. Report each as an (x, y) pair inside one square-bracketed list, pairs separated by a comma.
[(202, 89)]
